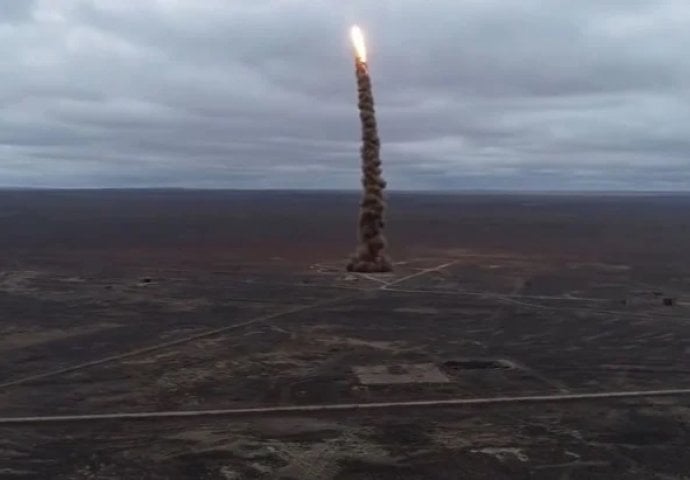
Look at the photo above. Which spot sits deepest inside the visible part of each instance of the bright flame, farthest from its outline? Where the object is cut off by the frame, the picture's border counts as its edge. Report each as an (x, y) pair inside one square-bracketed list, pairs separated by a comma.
[(358, 43)]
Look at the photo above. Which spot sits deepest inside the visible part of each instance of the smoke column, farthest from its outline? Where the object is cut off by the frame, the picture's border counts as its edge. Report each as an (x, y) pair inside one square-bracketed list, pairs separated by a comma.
[(370, 255)]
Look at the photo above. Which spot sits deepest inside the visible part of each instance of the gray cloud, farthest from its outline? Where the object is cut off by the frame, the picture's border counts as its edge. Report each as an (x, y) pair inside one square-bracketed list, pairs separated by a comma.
[(11, 12), (517, 94)]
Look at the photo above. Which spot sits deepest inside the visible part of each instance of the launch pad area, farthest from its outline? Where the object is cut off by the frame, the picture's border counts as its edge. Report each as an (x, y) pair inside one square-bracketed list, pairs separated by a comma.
[(515, 339)]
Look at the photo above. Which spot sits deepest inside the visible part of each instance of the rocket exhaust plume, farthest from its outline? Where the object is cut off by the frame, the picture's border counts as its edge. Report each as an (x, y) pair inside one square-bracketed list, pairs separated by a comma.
[(370, 255)]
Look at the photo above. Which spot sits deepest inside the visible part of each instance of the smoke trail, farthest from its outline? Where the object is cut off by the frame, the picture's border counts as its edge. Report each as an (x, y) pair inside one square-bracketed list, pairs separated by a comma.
[(370, 255)]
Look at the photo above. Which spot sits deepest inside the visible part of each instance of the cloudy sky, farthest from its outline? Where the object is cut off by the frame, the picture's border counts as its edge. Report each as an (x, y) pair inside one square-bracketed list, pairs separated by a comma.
[(471, 94)]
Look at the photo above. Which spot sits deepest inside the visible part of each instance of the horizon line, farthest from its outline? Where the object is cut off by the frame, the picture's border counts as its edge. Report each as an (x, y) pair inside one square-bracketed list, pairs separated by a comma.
[(354, 190)]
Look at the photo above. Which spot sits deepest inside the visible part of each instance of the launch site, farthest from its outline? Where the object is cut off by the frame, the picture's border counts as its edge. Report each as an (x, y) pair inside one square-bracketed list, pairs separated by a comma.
[(135, 302)]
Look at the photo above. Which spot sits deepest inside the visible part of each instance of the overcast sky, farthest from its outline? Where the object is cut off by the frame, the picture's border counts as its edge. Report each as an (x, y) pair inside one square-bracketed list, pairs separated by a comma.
[(471, 94)]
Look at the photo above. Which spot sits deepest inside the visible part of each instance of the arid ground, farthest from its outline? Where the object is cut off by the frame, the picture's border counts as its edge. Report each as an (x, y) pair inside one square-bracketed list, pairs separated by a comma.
[(518, 338)]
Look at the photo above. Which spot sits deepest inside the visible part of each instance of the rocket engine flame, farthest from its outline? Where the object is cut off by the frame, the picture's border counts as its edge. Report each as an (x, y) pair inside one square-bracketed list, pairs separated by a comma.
[(359, 44)]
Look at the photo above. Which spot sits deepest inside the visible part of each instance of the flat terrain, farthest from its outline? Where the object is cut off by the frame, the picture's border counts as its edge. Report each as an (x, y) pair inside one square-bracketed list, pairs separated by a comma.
[(119, 302)]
